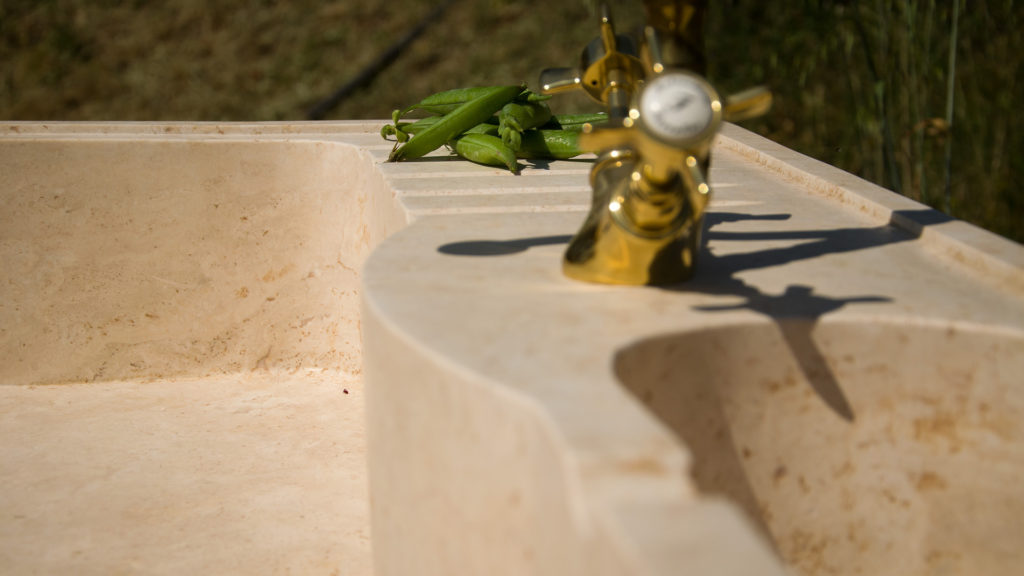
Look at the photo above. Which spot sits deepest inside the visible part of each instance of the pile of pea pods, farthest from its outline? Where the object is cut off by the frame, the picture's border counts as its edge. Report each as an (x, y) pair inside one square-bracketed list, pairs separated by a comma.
[(490, 125)]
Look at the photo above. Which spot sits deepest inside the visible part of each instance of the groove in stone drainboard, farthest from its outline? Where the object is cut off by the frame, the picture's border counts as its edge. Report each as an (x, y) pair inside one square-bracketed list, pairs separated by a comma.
[(546, 202), (497, 210), (488, 184), (462, 169)]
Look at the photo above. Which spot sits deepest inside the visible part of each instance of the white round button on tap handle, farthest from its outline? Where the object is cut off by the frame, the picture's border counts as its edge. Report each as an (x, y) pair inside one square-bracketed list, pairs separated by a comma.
[(676, 107)]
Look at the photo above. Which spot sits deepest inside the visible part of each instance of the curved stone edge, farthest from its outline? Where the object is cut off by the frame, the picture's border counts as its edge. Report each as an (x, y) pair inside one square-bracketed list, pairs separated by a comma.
[(470, 476), (628, 525)]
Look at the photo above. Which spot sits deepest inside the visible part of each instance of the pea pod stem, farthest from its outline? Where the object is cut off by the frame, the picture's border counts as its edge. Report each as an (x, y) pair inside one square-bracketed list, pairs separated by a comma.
[(402, 131)]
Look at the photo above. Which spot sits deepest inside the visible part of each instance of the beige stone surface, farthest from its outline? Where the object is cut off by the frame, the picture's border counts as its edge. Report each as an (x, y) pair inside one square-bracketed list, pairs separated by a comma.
[(844, 371), (181, 388), (132, 258), (245, 474), (184, 305), (858, 447)]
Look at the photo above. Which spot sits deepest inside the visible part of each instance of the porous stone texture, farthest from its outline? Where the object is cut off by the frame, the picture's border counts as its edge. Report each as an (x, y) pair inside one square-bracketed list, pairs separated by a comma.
[(181, 386), (245, 474), (837, 391), (190, 318)]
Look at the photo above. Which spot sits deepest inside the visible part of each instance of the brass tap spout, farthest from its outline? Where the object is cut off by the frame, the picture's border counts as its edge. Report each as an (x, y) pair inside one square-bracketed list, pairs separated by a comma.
[(649, 180)]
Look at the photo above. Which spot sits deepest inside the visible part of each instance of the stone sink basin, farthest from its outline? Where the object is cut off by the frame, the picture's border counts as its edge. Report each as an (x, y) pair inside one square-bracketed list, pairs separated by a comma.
[(180, 390), (245, 348), (854, 447)]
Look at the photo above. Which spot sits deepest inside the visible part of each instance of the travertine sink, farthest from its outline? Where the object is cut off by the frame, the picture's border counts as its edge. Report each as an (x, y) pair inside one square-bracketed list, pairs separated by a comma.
[(188, 313), (837, 391), (179, 330), (881, 447)]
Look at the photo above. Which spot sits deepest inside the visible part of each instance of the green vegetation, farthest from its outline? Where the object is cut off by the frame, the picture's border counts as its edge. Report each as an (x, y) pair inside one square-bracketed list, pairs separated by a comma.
[(864, 86), (861, 85)]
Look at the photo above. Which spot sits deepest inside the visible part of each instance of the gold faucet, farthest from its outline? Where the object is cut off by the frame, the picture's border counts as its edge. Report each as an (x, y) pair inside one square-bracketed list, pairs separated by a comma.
[(649, 181)]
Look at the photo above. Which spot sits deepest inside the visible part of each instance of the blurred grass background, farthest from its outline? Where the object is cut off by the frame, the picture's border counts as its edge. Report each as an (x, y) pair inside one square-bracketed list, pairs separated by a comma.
[(860, 85)]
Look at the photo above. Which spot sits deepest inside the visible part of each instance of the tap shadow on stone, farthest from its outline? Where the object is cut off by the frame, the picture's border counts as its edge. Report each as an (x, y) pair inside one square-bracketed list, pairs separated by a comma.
[(544, 164), (499, 247), (682, 389), (797, 310)]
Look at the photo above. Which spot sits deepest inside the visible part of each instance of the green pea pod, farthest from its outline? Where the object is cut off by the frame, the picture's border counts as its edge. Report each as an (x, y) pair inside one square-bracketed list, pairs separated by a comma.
[(547, 144), (456, 122), (445, 102), (485, 128), (574, 122), (405, 130), (485, 149), (515, 117)]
